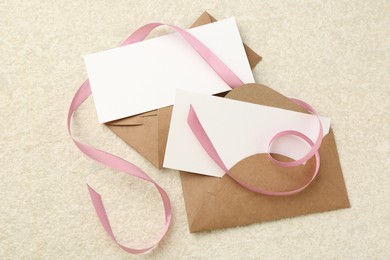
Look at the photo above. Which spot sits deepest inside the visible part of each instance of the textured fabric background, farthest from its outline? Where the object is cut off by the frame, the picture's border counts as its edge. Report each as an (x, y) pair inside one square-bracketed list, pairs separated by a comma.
[(333, 54)]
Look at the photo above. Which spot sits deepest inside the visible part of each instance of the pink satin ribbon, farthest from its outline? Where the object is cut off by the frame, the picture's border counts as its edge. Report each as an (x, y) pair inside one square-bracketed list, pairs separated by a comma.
[(120, 164), (204, 140)]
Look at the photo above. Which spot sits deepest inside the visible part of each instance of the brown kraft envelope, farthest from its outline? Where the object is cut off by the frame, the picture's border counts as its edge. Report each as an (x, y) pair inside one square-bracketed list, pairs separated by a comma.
[(147, 133), (213, 203)]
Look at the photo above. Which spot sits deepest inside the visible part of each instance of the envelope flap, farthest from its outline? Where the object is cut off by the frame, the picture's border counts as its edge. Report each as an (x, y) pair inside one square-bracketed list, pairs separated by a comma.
[(263, 95), (203, 19)]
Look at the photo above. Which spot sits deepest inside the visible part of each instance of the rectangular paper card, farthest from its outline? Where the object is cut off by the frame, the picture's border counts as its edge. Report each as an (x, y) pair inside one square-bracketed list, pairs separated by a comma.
[(237, 130), (144, 76)]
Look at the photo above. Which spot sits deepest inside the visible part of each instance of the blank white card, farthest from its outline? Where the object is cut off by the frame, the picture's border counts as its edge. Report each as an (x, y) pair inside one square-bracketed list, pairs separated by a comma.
[(237, 130), (144, 76)]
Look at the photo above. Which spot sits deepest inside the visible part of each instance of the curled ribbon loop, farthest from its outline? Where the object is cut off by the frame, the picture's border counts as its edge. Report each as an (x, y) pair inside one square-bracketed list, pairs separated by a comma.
[(314, 147), (204, 140), (119, 164)]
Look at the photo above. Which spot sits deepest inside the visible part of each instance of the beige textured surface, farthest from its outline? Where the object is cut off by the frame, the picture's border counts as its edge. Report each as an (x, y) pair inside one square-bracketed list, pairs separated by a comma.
[(334, 54)]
